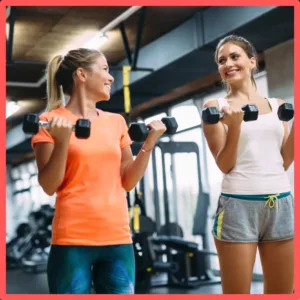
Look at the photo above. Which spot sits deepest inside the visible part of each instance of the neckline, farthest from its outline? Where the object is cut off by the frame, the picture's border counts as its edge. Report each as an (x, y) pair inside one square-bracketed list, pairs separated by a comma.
[(73, 116), (259, 115), (272, 108)]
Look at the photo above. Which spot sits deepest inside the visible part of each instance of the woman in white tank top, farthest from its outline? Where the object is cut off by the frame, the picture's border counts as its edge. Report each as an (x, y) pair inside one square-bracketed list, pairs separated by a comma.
[(255, 208)]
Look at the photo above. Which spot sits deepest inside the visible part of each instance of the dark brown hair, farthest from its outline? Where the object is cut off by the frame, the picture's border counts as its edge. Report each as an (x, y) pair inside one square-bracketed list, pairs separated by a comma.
[(245, 45)]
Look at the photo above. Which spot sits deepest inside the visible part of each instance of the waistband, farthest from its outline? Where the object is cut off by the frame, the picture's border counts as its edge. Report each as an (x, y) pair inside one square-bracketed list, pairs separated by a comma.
[(262, 197)]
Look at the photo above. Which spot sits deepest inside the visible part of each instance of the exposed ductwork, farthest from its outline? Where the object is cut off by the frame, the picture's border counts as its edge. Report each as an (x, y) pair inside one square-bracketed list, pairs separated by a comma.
[(186, 53), (111, 25)]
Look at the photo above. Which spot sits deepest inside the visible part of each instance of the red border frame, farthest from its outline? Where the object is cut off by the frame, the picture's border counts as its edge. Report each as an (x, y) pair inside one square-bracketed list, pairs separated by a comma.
[(4, 3)]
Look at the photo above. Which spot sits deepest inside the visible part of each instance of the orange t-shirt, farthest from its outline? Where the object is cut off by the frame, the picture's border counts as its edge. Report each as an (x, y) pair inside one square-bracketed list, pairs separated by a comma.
[(91, 206)]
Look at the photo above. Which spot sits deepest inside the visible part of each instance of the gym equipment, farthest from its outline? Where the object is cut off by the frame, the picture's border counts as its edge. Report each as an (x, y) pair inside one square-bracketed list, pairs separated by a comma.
[(138, 132), (23, 230), (211, 115), (18, 246), (138, 209), (147, 262), (126, 92), (194, 264), (193, 271), (31, 125), (285, 112), (36, 260)]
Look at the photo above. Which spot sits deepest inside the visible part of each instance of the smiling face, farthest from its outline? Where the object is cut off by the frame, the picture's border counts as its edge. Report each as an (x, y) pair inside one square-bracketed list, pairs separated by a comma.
[(99, 80), (234, 63), (87, 70)]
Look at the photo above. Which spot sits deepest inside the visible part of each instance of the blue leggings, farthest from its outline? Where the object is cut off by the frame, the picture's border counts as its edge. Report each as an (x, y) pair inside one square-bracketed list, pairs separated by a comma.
[(75, 269)]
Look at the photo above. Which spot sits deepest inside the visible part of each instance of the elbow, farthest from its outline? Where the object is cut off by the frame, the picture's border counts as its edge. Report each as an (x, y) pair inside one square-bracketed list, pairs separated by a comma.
[(49, 193), (225, 169), (127, 187), (287, 165), (48, 190), (287, 161)]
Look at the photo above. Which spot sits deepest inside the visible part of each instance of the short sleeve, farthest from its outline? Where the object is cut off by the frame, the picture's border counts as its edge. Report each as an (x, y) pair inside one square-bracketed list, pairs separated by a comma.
[(43, 135), (125, 138)]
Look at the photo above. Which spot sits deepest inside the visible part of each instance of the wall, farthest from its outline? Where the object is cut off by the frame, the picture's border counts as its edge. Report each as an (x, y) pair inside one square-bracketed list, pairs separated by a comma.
[(280, 78)]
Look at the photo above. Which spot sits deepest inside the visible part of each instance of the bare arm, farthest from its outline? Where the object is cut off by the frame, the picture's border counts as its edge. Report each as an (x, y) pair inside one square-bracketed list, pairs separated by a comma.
[(51, 162), (51, 158), (287, 148), (222, 146), (133, 170)]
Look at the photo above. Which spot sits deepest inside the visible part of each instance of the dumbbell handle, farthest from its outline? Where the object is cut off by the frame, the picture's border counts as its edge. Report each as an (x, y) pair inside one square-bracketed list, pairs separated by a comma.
[(222, 113), (46, 125)]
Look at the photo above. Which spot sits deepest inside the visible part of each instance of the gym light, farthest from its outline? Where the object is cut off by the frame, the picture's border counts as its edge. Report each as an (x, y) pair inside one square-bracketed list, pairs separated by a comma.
[(96, 42), (11, 108)]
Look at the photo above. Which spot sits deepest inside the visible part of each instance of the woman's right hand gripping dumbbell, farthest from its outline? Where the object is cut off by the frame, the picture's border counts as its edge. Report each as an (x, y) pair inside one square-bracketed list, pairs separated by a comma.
[(60, 129), (51, 159), (232, 117)]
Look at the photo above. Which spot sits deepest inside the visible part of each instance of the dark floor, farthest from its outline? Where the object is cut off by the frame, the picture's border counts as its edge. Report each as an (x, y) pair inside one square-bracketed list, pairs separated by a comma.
[(19, 282)]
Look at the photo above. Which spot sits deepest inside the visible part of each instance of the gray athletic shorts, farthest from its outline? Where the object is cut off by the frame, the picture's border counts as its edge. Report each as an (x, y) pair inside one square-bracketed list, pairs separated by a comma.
[(254, 218)]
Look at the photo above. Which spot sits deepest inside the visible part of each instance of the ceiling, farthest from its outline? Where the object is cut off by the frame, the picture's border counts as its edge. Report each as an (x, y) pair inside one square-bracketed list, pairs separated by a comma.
[(177, 43), (39, 33)]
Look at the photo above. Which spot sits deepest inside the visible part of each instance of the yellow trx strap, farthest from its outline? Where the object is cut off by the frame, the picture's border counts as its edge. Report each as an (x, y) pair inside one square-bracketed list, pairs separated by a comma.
[(136, 218), (126, 90), (137, 211), (127, 108)]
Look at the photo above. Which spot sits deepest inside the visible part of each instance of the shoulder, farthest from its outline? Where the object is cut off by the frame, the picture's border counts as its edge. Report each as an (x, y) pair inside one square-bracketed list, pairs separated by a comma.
[(113, 118), (211, 103), (48, 115), (110, 115), (279, 101), (276, 101)]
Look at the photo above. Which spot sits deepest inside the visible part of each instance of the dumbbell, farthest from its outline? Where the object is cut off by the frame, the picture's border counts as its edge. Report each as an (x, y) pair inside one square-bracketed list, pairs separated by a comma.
[(138, 132), (285, 112), (31, 125), (211, 115)]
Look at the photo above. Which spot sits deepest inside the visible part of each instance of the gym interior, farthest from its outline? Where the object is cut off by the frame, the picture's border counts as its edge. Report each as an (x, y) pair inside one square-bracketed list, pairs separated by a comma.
[(170, 51)]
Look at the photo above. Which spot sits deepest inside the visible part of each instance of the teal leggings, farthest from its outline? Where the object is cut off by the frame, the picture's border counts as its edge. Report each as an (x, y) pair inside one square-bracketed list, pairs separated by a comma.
[(76, 269)]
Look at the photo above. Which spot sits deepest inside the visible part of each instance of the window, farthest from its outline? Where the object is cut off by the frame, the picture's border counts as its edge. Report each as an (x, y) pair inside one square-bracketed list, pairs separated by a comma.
[(186, 114), (24, 194)]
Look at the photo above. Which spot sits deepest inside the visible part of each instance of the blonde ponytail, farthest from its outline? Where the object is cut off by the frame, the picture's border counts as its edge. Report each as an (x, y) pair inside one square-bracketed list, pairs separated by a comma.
[(55, 95)]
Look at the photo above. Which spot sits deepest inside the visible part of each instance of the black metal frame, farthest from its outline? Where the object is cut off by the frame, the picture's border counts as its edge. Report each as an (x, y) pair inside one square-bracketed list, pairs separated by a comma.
[(133, 61), (125, 42), (173, 148)]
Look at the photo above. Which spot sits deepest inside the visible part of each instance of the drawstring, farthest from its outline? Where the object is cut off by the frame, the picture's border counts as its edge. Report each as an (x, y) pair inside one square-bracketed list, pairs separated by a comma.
[(270, 202)]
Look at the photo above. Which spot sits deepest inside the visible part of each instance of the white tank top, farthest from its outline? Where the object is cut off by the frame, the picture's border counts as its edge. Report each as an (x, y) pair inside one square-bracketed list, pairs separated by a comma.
[(259, 166)]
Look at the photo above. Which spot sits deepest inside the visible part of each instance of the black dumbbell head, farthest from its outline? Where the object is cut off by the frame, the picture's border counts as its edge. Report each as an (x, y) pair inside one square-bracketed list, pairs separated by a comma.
[(251, 112), (83, 128), (31, 123), (171, 124), (285, 112), (210, 115), (138, 132)]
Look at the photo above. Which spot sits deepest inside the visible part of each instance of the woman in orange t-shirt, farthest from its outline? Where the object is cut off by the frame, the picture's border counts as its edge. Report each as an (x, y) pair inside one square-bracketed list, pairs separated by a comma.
[(91, 240)]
